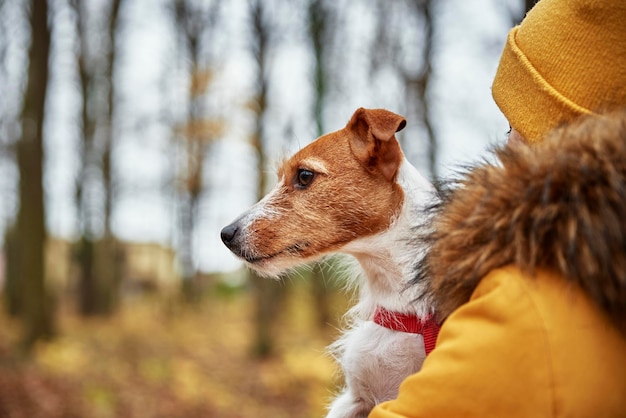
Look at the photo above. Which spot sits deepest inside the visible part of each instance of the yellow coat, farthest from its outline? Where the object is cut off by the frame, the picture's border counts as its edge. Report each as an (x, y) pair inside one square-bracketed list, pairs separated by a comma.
[(521, 347), (527, 267)]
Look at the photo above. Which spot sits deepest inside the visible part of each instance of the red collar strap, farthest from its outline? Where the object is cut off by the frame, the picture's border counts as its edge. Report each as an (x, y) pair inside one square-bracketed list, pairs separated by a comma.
[(426, 327)]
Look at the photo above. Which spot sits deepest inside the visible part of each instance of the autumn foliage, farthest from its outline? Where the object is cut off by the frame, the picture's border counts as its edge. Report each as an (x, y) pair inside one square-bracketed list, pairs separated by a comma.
[(160, 358)]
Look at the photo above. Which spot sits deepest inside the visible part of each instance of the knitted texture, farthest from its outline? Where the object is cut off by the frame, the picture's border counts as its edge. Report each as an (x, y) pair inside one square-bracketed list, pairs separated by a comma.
[(567, 58)]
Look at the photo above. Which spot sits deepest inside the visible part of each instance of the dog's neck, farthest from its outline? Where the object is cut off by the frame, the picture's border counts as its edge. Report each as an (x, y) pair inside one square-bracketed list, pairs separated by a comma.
[(388, 258)]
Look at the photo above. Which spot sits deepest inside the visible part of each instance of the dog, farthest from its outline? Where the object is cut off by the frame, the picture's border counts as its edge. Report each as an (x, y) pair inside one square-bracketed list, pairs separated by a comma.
[(352, 191)]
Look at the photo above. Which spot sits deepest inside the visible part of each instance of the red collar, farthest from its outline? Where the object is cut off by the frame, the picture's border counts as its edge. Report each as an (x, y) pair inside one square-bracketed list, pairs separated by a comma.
[(426, 327)]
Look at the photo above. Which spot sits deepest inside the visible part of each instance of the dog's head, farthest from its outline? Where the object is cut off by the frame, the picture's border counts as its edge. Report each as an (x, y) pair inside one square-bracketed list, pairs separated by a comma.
[(338, 189)]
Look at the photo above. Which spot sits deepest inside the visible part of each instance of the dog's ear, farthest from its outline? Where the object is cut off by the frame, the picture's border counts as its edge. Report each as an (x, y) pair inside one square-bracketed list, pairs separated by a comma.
[(373, 141)]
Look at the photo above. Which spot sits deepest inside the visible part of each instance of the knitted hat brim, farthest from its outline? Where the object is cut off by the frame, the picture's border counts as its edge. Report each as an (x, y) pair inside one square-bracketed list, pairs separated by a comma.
[(531, 105)]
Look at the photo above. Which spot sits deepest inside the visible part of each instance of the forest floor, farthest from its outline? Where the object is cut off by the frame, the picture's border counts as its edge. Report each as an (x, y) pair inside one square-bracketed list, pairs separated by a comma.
[(158, 358)]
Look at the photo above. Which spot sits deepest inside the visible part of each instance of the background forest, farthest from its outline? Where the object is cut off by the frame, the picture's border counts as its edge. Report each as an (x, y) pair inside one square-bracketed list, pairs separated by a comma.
[(131, 131)]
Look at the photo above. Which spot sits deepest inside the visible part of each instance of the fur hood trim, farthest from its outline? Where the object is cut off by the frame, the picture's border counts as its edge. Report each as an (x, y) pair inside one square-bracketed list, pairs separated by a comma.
[(559, 205)]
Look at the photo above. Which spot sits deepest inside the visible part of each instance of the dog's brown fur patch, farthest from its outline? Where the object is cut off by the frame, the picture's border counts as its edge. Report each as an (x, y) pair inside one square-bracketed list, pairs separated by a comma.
[(559, 205), (355, 196)]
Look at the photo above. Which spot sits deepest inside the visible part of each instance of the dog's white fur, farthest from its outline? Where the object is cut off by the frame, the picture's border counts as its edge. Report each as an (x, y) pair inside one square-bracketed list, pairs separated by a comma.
[(375, 360)]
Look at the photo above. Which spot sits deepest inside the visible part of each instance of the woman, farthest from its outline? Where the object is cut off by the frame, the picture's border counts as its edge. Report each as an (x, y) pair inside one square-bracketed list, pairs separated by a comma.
[(528, 257)]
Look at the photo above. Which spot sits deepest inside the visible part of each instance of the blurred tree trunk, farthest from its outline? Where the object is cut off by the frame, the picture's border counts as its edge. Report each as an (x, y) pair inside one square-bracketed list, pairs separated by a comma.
[(195, 134), (97, 254), (417, 83), (318, 31), (12, 275), (35, 303), (392, 44), (84, 248), (191, 183), (268, 294), (109, 267)]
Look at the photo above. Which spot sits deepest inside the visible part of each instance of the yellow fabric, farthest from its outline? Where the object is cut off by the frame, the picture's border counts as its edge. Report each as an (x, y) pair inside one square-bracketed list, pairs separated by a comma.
[(521, 347), (567, 58)]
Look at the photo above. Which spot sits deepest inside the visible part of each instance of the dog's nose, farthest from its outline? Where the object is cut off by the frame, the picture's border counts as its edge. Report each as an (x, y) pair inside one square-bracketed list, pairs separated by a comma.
[(228, 234)]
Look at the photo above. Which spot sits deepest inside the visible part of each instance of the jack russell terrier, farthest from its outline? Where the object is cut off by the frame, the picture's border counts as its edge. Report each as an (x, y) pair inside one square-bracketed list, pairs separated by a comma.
[(352, 191)]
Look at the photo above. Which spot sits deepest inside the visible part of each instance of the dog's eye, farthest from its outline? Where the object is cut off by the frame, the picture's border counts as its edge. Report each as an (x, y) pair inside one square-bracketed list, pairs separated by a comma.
[(304, 178)]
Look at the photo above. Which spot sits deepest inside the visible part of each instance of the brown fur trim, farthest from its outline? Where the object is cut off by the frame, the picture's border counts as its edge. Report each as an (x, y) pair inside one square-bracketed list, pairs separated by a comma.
[(560, 205)]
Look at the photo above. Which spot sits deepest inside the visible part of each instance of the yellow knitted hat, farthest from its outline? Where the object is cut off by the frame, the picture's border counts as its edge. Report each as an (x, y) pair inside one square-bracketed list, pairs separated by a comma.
[(567, 58)]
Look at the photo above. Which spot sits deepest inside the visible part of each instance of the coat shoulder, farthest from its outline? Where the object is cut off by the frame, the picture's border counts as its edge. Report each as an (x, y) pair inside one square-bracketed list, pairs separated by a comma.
[(581, 348), (518, 338)]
